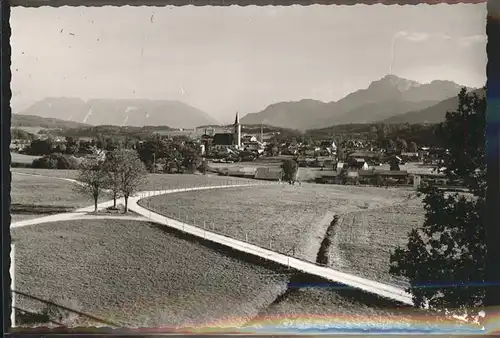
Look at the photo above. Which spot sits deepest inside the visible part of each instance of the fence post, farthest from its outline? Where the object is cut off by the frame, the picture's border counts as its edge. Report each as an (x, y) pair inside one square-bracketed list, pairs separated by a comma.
[(13, 284), (246, 236)]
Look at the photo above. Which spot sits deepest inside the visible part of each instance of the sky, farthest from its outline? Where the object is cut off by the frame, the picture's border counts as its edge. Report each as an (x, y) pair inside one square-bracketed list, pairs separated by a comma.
[(228, 59)]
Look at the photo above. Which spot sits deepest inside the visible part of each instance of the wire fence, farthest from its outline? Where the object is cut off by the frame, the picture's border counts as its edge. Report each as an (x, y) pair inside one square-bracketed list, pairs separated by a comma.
[(270, 243)]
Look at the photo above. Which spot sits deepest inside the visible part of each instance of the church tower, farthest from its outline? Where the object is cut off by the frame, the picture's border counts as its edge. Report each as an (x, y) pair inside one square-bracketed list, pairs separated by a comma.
[(237, 131)]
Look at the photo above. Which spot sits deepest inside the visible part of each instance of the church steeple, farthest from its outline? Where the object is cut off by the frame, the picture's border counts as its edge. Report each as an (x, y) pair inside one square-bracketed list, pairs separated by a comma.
[(237, 131)]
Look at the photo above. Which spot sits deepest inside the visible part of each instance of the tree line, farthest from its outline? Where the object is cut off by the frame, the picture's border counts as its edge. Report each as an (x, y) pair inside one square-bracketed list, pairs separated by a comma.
[(171, 155)]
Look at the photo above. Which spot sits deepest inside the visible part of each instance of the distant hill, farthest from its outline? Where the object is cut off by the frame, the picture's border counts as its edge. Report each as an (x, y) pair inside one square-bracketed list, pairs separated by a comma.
[(292, 115), (433, 114), (387, 97), (21, 120), (121, 112)]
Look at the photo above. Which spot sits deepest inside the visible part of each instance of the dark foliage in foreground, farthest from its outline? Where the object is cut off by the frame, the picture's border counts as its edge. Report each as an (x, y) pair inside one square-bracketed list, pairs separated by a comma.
[(444, 259)]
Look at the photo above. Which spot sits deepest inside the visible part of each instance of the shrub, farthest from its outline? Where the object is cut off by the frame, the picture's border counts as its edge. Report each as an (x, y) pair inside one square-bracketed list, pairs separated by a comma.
[(55, 161), (20, 165), (203, 168)]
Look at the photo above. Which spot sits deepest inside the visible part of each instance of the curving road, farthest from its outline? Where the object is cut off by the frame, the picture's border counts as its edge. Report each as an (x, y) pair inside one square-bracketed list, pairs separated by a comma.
[(383, 290)]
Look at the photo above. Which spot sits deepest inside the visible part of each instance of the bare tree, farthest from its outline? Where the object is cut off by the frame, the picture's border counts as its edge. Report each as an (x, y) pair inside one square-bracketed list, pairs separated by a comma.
[(92, 177), (131, 172)]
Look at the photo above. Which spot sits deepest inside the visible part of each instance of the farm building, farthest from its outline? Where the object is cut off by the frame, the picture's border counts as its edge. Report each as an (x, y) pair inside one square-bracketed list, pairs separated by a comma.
[(330, 177), (246, 172), (410, 156), (394, 176), (269, 174), (364, 154)]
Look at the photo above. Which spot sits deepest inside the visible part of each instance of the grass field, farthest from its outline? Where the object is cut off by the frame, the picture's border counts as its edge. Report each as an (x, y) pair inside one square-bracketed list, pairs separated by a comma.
[(289, 219), (153, 181), (21, 158), (362, 241), (137, 274), (39, 196)]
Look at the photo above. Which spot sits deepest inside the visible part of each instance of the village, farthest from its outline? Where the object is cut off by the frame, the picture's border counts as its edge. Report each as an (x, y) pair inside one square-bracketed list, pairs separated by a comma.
[(233, 151), (321, 161)]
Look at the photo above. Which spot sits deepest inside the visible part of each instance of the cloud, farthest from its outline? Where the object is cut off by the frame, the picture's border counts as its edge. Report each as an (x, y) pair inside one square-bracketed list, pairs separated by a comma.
[(470, 40), (419, 36), (465, 41), (411, 36)]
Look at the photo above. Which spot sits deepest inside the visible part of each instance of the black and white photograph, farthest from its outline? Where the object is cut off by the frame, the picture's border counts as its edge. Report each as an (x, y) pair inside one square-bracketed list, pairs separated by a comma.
[(257, 169)]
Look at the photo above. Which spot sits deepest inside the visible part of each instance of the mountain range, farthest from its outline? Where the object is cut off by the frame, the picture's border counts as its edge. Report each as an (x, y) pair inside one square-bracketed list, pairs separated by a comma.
[(391, 99), (433, 114), (20, 120), (121, 112), (383, 100)]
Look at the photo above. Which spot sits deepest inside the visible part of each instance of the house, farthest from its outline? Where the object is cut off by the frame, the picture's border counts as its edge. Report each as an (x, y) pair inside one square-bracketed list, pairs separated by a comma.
[(269, 174), (329, 146), (209, 132), (249, 138), (365, 155), (253, 146), (339, 166), (19, 144), (409, 154), (357, 163), (396, 176)]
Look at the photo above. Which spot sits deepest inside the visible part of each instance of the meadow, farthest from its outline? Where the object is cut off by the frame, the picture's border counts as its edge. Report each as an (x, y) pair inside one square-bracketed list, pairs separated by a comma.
[(21, 158), (137, 274), (33, 196), (291, 219), (362, 242), (152, 181), (140, 274)]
